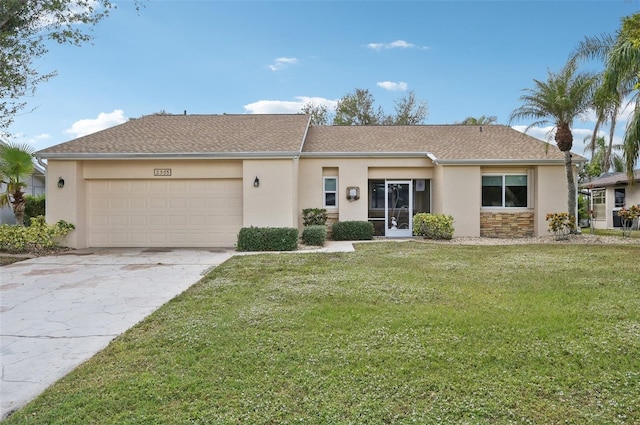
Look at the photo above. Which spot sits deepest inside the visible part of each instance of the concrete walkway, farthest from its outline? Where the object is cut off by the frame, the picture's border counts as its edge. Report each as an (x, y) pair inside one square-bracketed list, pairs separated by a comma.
[(58, 311)]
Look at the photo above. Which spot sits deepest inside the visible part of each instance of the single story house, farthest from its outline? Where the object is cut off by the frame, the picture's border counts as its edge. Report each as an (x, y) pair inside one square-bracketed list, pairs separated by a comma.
[(196, 180), (609, 193)]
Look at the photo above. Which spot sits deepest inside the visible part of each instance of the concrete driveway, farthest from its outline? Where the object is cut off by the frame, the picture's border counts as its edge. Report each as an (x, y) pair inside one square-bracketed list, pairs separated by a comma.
[(58, 311)]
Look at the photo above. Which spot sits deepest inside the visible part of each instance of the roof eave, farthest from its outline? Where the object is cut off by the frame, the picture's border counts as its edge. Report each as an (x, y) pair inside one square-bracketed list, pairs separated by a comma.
[(499, 161), (367, 155), (168, 155)]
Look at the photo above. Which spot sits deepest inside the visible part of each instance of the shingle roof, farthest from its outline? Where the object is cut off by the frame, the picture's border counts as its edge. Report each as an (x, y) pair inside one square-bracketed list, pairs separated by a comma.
[(611, 179), (192, 134), (268, 135), (444, 142)]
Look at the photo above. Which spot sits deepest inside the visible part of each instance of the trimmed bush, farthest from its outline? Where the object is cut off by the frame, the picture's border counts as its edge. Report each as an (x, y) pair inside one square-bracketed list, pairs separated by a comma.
[(267, 239), (433, 226), (39, 236), (352, 231), (314, 217), (314, 235), (33, 207)]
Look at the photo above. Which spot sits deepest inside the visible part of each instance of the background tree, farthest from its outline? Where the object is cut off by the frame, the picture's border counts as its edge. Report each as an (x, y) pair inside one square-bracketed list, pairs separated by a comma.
[(25, 26), (409, 111), (16, 164), (620, 78), (358, 108), (481, 120), (559, 101), (602, 160), (319, 113)]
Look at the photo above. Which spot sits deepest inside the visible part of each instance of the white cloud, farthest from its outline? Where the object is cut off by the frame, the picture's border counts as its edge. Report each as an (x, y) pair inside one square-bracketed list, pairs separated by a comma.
[(398, 44), (281, 63), (24, 138), (287, 106), (91, 125), (391, 86)]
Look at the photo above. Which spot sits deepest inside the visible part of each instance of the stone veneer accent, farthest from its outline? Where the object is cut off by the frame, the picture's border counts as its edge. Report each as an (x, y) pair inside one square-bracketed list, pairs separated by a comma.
[(332, 217), (507, 225)]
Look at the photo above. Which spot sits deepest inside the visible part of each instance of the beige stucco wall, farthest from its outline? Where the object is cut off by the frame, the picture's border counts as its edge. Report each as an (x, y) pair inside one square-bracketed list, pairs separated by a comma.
[(353, 172), (272, 204), (180, 169), (551, 185), (459, 195), (69, 202), (632, 197)]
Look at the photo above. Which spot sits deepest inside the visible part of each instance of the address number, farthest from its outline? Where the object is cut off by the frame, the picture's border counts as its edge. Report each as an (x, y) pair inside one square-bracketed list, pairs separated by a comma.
[(162, 171)]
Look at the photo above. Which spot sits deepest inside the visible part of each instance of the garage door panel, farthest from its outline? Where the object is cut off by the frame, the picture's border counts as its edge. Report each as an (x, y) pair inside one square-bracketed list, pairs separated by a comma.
[(187, 213)]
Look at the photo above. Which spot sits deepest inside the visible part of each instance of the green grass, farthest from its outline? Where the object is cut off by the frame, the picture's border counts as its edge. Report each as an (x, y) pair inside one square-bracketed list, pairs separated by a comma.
[(612, 232), (393, 333)]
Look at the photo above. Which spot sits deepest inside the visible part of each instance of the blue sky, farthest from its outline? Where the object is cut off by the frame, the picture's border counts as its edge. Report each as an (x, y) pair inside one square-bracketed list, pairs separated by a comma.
[(465, 58)]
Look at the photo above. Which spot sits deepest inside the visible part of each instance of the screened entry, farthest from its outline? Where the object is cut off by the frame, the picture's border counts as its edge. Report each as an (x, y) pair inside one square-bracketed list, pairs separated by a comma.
[(393, 203)]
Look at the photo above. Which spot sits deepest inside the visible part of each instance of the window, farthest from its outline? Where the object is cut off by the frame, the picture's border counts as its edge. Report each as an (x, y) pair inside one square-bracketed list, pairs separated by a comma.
[(619, 196), (598, 198), (330, 192), (504, 191)]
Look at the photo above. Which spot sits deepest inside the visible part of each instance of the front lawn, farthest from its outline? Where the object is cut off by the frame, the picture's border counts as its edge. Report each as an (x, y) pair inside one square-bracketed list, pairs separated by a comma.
[(393, 333)]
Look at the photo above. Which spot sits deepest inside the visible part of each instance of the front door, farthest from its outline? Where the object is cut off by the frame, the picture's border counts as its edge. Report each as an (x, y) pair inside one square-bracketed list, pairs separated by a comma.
[(398, 208)]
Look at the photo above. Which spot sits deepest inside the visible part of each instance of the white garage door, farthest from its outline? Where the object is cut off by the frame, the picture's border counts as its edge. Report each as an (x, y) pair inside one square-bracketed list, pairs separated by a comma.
[(164, 213)]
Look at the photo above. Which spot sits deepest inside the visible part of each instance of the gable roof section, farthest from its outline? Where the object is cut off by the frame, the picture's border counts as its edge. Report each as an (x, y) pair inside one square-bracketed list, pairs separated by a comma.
[(190, 136), (282, 135), (612, 179), (442, 143)]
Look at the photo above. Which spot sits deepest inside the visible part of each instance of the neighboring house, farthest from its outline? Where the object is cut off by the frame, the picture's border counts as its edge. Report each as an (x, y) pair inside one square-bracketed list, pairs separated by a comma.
[(35, 187), (609, 193), (196, 180)]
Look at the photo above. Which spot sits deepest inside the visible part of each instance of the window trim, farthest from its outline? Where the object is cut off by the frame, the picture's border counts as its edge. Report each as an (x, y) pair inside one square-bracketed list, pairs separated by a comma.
[(503, 186), (325, 191)]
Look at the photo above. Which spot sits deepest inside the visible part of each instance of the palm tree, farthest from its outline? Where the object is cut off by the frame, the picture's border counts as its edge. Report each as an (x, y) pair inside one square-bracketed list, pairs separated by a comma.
[(621, 78), (482, 120), (16, 163), (559, 101), (604, 157)]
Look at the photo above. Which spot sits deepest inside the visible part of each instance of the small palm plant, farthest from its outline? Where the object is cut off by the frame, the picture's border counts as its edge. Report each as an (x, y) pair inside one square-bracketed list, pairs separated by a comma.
[(16, 164)]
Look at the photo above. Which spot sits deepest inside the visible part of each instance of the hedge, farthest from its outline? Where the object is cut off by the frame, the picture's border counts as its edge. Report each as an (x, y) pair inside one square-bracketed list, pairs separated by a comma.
[(314, 235), (267, 239), (352, 231)]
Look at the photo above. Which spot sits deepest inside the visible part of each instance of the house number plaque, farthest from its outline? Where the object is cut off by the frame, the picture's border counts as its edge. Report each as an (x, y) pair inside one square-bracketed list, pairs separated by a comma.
[(162, 171)]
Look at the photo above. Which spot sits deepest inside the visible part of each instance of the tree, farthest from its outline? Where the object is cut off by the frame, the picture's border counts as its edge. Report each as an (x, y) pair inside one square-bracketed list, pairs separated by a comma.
[(481, 120), (319, 113), (25, 26), (409, 111), (602, 159), (559, 101), (357, 108), (620, 78), (16, 164)]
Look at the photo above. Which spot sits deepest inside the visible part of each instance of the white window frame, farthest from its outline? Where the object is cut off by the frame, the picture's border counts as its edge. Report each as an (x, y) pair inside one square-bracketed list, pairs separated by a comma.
[(599, 209), (325, 191), (503, 176)]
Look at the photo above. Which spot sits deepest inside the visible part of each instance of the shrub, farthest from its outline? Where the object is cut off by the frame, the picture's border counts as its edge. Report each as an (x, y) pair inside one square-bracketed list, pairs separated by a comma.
[(314, 217), (352, 231), (38, 236), (33, 207), (561, 224), (267, 239), (433, 226), (314, 235)]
